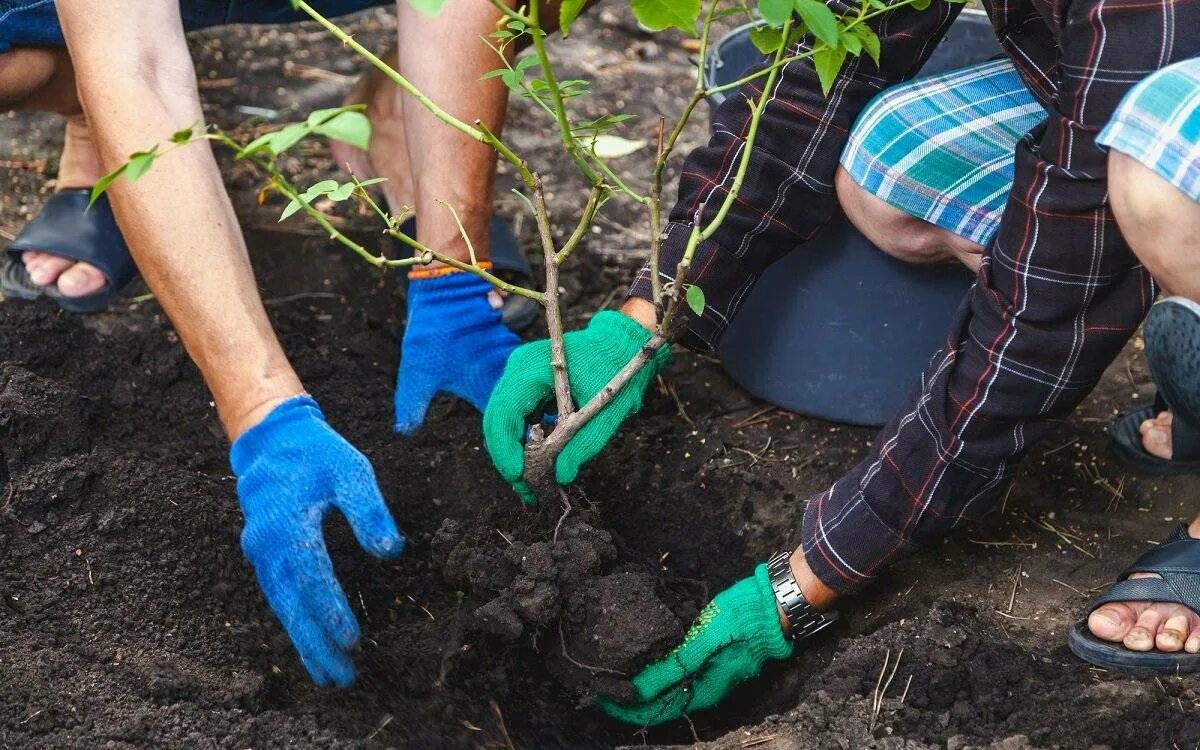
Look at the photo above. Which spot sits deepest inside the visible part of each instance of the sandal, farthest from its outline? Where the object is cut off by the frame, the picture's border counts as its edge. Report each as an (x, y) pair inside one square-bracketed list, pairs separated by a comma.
[(1177, 560), (1172, 334), (68, 228)]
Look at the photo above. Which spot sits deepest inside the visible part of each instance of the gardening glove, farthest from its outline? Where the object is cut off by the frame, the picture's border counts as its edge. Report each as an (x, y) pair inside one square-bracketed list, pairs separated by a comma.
[(727, 644), (594, 356), (292, 468), (454, 342)]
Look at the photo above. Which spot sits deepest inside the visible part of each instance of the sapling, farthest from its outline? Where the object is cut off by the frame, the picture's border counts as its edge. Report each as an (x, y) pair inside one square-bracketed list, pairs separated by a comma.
[(789, 31)]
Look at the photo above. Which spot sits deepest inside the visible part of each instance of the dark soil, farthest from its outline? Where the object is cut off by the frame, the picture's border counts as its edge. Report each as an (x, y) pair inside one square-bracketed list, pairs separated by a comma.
[(130, 619)]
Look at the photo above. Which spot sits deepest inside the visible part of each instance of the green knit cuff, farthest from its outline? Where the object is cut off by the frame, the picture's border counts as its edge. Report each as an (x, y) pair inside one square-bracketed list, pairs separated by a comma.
[(771, 643)]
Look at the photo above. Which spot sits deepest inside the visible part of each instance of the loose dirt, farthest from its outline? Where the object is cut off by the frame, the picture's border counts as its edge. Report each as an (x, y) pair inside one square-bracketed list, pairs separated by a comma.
[(128, 617)]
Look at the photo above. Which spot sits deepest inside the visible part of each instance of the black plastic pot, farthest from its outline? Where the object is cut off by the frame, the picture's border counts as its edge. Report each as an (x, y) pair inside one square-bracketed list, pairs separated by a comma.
[(837, 329)]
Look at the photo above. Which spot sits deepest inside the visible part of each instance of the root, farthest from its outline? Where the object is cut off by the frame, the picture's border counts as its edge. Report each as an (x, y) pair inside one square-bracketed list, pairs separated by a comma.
[(562, 639)]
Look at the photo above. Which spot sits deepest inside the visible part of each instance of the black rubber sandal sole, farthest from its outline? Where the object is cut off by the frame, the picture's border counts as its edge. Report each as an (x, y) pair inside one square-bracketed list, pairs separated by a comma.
[(1177, 561), (68, 228)]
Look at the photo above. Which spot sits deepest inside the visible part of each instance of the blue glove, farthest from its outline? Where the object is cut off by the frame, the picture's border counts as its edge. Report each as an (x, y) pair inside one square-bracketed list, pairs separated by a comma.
[(292, 468), (454, 342)]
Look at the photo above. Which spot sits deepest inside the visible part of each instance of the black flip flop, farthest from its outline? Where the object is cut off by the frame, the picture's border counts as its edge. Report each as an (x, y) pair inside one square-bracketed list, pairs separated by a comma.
[(1172, 335), (508, 262), (67, 227), (1177, 560)]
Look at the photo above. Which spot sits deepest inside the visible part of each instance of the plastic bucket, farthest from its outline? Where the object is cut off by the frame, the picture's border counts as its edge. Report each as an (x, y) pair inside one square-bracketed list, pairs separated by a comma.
[(837, 329)]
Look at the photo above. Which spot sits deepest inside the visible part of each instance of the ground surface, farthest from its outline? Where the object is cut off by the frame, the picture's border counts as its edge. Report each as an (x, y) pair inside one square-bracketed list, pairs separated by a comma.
[(128, 617)]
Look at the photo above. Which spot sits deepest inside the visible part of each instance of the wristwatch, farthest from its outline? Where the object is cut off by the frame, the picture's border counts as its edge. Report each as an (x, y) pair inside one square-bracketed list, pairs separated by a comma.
[(805, 620)]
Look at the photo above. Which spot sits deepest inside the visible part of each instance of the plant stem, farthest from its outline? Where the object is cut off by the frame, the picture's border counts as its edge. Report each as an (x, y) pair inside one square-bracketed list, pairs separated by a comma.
[(585, 222), (558, 353), (424, 255), (560, 110)]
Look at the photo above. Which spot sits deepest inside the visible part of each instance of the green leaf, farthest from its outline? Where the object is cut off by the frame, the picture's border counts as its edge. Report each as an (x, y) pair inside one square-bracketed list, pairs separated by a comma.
[(657, 15), (765, 39), (372, 181), (140, 163), (493, 74), (428, 7), (103, 183), (828, 61), (695, 298), (851, 42), (820, 20), (775, 12), (567, 13), (348, 127), (319, 189), (614, 147), (920, 4), (290, 209), (342, 192), (282, 140), (870, 41), (181, 136)]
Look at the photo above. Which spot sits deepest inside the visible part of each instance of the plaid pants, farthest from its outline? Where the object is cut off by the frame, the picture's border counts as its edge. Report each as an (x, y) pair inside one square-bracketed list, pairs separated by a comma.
[(1056, 298)]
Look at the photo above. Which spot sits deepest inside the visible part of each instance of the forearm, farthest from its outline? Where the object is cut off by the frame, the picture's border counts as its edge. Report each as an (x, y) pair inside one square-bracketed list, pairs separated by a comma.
[(182, 232)]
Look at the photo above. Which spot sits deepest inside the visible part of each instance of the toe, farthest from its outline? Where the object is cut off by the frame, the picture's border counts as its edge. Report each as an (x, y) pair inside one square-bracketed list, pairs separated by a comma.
[(80, 279), (1173, 633), (1142, 635), (1156, 439), (47, 269), (1192, 644), (1112, 621)]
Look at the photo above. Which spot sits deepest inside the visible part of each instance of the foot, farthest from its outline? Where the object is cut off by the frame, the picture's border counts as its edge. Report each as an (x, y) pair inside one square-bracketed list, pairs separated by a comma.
[(79, 167), (1156, 436), (1145, 626)]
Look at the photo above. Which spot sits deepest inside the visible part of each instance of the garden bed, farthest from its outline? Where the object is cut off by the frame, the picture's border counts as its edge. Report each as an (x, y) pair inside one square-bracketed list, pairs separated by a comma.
[(128, 615)]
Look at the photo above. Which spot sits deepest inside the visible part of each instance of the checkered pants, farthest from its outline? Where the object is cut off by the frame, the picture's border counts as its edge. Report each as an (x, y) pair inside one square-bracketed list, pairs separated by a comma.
[(1057, 296)]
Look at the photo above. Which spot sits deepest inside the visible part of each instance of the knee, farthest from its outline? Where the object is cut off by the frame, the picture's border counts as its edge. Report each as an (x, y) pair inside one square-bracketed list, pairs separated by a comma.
[(896, 233)]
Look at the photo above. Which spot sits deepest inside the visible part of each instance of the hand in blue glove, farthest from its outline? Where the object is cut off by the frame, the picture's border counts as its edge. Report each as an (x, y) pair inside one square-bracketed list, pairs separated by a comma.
[(454, 342), (292, 468)]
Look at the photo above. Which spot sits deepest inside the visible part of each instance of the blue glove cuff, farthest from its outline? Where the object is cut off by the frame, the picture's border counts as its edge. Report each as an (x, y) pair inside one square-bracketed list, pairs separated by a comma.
[(453, 287), (254, 441)]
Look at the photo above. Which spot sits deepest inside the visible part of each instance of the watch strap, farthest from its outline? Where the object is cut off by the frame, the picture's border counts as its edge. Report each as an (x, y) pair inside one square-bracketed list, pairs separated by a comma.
[(804, 619)]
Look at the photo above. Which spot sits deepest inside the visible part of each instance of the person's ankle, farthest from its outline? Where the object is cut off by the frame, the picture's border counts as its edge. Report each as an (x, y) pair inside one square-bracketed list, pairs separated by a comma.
[(1194, 528), (79, 166)]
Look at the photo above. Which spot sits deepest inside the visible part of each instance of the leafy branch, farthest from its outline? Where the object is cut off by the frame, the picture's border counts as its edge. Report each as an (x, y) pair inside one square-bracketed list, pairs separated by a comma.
[(791, 31)]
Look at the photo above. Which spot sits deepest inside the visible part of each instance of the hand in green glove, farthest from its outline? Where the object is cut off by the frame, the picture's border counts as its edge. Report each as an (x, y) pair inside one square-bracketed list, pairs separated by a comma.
[(727, 644), (594, 355)]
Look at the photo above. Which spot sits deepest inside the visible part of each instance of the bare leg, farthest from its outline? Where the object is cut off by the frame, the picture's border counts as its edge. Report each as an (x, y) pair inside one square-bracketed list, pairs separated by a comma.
[(43, 79), (1162, 226)]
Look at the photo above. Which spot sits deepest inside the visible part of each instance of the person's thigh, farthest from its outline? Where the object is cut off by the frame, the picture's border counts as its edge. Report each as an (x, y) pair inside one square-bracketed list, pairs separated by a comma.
[(940, 148)]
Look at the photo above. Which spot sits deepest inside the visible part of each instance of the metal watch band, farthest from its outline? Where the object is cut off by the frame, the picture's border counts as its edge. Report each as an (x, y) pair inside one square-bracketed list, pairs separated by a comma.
[(805, 620)]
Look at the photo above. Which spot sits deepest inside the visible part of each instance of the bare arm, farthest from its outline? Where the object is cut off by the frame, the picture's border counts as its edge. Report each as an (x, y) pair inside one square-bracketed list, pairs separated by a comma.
[(137, 85)]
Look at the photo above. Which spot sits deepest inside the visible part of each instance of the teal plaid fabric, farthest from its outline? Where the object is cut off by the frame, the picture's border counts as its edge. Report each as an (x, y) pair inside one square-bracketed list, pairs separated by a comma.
[(1158, 123), (941, 148)]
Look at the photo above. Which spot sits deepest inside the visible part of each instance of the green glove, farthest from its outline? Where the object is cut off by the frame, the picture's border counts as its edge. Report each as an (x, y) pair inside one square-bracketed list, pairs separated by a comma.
[(725, 646), (594, 355)]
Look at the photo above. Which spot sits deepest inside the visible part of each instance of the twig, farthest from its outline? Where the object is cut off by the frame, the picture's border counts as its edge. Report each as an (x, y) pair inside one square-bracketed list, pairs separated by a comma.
[(752, 417), (1012, 598), (500, 720), (675, 396), (461, 231), (387, 719), (562, 639), (877, 703)]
